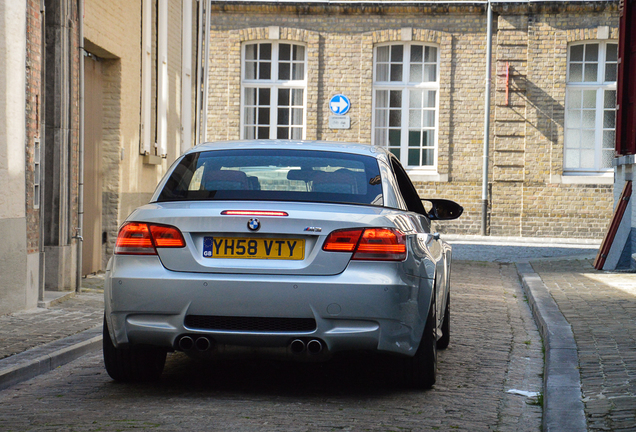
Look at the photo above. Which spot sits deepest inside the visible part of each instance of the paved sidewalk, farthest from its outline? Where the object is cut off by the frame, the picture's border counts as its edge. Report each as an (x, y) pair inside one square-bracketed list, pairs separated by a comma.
[(601, 309), (38, 340)]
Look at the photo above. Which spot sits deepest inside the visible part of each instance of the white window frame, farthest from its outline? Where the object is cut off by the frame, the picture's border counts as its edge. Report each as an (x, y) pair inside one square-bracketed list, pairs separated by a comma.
[(600, 86), (274, 85), (405, 86)]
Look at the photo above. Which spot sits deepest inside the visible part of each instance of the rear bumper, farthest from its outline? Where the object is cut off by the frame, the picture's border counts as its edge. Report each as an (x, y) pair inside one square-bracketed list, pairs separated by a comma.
[(370, 306)]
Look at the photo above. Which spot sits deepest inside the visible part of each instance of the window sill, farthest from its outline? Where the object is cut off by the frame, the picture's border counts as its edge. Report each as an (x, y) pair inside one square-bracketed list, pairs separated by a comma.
[(426, 176), (600, 179)]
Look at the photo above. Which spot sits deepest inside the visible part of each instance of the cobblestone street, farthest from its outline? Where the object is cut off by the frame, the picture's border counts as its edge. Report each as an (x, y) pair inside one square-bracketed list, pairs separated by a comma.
[(495, 347)]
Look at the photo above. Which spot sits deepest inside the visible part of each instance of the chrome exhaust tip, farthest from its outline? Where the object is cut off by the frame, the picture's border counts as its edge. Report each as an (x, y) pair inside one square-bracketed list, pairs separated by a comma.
[(314, 346), (203, 344), (297, 346), (186, 343)]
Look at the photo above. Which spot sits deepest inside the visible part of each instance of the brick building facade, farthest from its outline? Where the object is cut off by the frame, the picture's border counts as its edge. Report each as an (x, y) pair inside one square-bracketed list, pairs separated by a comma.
[(534, 189)]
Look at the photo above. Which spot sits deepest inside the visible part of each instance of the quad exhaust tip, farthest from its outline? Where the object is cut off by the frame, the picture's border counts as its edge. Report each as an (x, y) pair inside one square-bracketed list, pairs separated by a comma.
[(298, 346), (203, 344), (186, 343), (314, 346)]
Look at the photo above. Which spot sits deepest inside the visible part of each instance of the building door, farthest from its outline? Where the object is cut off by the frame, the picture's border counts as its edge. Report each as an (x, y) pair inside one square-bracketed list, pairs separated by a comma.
[(93, 106)]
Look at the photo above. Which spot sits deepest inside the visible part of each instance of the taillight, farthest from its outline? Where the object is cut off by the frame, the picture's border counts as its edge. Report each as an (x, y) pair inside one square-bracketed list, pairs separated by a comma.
[(372, 244), (136, 238)]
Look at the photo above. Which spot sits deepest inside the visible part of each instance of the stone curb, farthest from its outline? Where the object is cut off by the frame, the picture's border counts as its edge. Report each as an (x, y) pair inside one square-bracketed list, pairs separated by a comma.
[(42, 359), (563, 408)]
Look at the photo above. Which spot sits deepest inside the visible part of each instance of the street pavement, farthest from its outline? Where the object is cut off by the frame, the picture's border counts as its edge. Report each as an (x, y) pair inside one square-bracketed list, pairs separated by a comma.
[(486, 377)]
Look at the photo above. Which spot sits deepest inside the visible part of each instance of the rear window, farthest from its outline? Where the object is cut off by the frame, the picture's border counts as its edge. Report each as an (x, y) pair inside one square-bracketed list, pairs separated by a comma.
[(275, 175)]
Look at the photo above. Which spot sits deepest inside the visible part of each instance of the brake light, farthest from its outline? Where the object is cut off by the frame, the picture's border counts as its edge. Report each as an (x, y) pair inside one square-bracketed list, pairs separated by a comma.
[(137, 238), (371, 244), (253, 213), (342, 240)]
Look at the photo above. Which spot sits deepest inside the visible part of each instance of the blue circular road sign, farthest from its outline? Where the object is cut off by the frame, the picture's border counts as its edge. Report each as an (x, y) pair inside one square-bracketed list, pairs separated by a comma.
[(339, 104)]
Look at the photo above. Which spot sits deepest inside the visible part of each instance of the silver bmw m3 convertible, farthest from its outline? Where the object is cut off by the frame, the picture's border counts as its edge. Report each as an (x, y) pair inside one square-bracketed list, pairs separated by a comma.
[(279, 248)]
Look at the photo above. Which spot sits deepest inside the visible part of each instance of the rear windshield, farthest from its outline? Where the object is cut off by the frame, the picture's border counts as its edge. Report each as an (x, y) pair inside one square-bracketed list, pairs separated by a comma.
[(275, 175)]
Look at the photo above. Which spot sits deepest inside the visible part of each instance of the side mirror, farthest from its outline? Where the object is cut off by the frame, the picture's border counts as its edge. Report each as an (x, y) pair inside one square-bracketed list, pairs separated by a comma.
[(443, 209)]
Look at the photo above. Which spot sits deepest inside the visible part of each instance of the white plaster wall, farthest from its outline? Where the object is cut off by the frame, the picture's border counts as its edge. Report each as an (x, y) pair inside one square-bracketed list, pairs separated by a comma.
[(12, 108)]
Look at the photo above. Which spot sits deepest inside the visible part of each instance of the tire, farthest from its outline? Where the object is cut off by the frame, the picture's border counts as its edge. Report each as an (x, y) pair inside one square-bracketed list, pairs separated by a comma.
[(420, 370), (134, 364), (442, 343)]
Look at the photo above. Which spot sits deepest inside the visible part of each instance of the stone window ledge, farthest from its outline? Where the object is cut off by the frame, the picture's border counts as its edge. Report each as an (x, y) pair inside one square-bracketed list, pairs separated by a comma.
[(426, 176), (600, 179)]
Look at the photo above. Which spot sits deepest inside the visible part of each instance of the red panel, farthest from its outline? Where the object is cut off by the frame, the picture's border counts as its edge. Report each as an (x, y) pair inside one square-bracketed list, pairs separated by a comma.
[(626, 84)]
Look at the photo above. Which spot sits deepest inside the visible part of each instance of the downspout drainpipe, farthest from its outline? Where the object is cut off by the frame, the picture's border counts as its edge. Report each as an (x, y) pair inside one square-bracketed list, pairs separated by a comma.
[(80, 189), (42, 116), (206, 74), (199, 78), (484, 193)]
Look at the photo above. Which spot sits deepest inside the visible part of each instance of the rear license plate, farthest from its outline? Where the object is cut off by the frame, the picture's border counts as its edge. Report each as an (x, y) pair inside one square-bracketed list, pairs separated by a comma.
[(259, 248)]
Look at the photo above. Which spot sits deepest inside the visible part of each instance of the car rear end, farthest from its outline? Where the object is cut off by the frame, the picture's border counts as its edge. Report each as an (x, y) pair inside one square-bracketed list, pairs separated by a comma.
[(270, 250)]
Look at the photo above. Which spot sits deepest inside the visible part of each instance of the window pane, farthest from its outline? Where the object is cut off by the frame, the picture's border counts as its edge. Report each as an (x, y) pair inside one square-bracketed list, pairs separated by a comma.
[(383, 54), (431, 55), (298, 71), (250, 132), (591, 72), (394, 137), (265, 51), (587, 158), (587, 139), (250, 70), (430, 73), (415, 99), (250, 115), (414, 157), (297, 116), (263, 133), (572, 158), (250, 52), (284, 71), (429, 138), (380, 137), (396, 72), (381, 117), (297, 133), (264, 71), (610, 99), (263, 116), (589, 99), (417, 53), (382, 98), (396, 98), (382, 73), (591, 52), (576, 72), (395, 117), (609, 119), (415, 140), (573, 119), (415, 118), (297, 97), (576, 53), (573, 138), (250, 96), (429, 118), (299, 52), (429, 99), (283, 97), (607, 158), (428, 157), (284, 52), (263, 96), (609, 139), (611, 72), (611, 53), (282, 133), (575, 98), (416, 73), (589, 119), (283, 116), (397, 53)]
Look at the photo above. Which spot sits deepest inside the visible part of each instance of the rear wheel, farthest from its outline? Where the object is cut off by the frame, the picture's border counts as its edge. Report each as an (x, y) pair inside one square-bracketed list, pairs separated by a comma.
[(443, 342), (420, 370), (137, 363)]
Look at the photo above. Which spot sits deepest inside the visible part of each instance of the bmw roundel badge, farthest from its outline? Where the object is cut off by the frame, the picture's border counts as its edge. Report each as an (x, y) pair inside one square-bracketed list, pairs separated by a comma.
[(254, 224)]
